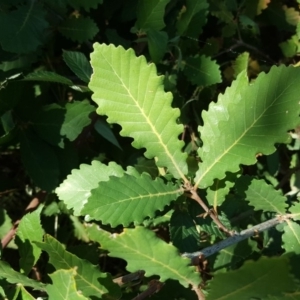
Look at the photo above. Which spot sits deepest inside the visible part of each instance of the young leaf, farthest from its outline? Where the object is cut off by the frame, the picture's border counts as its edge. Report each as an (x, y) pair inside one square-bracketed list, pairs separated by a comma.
[(147, 252), (202, 71), (89, 280), (241, 63), (79, 64), (29, 230), (247, 120), (150, 14), (12, 276), (261, 195), (250, 281), (123, 200), (47, 76), (22, 29), (76, 189), (128, 90), (63, 286), (76, 118), (192, 10), (79, 29)]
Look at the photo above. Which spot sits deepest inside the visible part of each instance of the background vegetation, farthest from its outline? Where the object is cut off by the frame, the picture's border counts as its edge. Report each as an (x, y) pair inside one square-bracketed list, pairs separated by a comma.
[(65, 141)]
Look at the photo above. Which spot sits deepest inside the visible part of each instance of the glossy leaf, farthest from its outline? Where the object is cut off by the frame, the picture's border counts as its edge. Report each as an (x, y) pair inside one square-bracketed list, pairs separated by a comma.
[(79, 29), (76, 189), (247, 120), (202, 71), (79, 64), (12, 276), (250, 280), (147, 252), (89, 280), (150, 14), (125, 86), (261, 195), (127, 199), (63, 286), (29, 230)]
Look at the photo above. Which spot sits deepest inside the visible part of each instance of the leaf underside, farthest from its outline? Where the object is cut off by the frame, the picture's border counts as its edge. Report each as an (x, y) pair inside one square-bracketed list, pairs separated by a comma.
[(130, 93), (248, 120)]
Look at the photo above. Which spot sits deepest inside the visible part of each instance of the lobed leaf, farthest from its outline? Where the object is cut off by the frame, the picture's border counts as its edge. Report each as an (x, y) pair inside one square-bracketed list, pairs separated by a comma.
[(248, 120), (89, 280), (261, 195), (127, 199), (291, 237), (128, 90), (143, 250), (63, 286), (76, 189)]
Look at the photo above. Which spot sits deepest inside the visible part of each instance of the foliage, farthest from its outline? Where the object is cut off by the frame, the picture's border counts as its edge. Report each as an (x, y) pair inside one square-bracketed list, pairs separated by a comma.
[(149, 149)]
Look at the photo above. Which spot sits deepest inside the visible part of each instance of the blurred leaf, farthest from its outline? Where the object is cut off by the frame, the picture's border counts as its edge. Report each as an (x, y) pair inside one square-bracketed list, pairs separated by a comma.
[(241, 64), (63, 286), (104, 130), (79, 29), (250, 280), (79, 64), (39, 160), (47, 76), (22, 29), (76, 118), (29, 230), (87, 4), (89, 280), (157, 43), (145, 251)]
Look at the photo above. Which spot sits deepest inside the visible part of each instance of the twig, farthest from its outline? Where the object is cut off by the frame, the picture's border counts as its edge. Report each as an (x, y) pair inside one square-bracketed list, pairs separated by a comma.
[(138, 275), (34, 203), (237, 237), (211, 213), (153, 287)]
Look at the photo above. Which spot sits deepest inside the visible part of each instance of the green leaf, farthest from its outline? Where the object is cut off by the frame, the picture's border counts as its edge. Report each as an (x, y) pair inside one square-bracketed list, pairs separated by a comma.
[(150, 14), (12, 276), (192, 11), (123, 200), (76, 189), (261, 195), (291, 237), (22, 30), (183, 232), (29, 229), (104, 130), (76, 118), (63, 286), (87, 4), (79, 64), (241, 63), (89, 280), (147, 252), (125, 86), (40, 161), (202, 71), (157, 43), (248, 120), (250, 281), (79, 29), (48, 77), (25, 295)]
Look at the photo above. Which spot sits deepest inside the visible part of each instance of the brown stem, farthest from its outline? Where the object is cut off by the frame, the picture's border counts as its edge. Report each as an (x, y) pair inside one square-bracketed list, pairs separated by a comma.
[(154, 286), (34, 203), (214, 217)]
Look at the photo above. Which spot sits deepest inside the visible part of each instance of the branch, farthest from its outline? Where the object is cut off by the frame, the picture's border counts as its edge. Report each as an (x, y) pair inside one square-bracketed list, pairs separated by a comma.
[(237, 237)]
